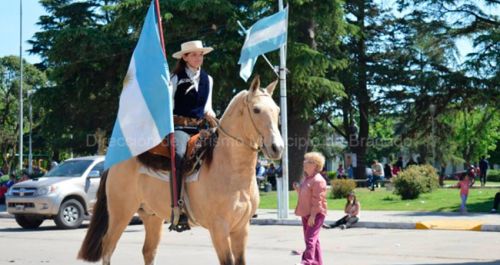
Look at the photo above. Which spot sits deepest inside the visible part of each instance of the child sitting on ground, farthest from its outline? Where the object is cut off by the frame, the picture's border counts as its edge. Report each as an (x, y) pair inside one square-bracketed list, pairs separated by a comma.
[(352, 209)]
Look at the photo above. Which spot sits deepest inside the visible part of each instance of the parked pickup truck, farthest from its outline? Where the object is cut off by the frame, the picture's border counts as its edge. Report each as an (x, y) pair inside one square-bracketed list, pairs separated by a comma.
[(65, 194)]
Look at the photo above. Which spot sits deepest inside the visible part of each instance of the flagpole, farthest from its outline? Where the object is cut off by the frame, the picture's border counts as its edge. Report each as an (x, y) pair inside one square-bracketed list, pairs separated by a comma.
[(283, 212), (21, 115), (160, 29), (171, 136)]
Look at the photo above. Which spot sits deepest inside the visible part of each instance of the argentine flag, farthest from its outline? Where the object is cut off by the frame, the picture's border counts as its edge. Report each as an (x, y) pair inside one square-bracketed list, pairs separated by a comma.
[(267, 34), (145, 110)]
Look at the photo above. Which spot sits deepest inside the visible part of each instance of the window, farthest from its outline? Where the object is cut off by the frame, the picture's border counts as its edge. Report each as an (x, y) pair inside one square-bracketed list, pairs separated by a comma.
[(99, 167), (71, 168)]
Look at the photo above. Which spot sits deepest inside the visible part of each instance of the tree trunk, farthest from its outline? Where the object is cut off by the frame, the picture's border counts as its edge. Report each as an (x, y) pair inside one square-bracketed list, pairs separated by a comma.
[(298, 127), (100, 136), (298, 144), (362, 95)]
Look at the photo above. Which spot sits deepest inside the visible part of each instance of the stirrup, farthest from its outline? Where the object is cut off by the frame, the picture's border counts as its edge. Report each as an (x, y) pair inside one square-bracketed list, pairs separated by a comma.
[(174, 218), (182, 225)]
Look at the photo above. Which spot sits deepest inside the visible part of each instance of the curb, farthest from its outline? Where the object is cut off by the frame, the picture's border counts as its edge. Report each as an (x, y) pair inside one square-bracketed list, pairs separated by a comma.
[(490, 228), (379, 225), (6, 215), (367, 224), (361, 224)]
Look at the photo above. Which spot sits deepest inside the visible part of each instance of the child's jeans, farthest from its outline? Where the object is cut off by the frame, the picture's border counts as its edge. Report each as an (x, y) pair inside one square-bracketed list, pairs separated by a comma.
[(463, 207)]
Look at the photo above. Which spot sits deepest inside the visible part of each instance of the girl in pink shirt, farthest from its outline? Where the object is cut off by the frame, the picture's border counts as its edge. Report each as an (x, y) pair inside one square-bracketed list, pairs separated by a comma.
[(351, 210), (311, 206), (464, 185)]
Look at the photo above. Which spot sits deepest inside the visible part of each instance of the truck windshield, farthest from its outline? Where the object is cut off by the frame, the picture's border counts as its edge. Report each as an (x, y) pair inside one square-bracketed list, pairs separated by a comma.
[(72, 168)]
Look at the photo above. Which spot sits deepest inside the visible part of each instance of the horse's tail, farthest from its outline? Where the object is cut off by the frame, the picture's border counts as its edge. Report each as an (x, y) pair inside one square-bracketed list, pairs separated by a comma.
[(91, 249)]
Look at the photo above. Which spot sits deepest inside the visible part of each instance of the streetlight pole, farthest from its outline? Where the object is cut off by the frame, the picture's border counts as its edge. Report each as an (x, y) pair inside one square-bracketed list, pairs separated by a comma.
[(21, 85), (30, 156)]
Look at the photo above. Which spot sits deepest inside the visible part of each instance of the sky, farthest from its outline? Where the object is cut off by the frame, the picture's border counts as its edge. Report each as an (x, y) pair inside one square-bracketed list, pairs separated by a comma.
[(32, 10), (9, 27)]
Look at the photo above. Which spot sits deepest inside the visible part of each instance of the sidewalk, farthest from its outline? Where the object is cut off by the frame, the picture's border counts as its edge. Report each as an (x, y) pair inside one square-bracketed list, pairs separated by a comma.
[(397, 220), (385, 219)]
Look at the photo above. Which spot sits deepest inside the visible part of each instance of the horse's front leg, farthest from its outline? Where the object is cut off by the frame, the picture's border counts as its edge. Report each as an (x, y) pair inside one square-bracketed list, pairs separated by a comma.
[(219, 232), (153, 225), (239, 243)]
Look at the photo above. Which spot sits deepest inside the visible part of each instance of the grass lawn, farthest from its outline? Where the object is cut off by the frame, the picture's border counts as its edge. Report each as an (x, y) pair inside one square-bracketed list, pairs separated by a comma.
[(440, 200), (476, 184)]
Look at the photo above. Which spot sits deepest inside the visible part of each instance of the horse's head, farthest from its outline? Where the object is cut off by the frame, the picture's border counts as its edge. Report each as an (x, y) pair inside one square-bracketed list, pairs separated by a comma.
[(264, 116)]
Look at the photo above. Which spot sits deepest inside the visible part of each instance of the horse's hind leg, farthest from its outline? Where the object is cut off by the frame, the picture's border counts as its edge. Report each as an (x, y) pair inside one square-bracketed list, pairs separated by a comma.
[(122, 204), (154, 226), (117, 224), (238, 244), (222, 244)]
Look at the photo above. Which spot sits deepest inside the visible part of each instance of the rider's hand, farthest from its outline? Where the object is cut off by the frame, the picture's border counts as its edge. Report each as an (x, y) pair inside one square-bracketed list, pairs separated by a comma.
[(210, 113)]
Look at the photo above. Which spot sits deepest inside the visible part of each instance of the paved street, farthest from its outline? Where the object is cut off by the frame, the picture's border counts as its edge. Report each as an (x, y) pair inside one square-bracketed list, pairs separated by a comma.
[(267, 245)]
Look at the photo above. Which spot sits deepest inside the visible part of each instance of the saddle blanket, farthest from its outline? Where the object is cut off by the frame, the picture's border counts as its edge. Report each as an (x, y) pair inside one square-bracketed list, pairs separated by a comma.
[(165, 175)]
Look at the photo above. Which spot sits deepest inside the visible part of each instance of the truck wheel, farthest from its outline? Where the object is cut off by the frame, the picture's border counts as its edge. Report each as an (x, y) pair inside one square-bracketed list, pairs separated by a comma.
[(28, 222), (70, 215)]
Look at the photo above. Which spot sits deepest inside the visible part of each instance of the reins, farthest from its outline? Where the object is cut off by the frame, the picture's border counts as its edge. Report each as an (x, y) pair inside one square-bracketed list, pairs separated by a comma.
[(219, 126), (251, 146)]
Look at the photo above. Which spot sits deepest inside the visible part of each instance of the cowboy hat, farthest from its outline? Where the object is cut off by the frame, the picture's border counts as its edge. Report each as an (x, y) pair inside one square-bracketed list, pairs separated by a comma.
[(192, 46)]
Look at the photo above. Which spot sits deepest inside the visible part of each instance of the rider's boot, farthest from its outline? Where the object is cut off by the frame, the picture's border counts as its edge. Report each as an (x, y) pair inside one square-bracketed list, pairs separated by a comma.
[(179, 220)]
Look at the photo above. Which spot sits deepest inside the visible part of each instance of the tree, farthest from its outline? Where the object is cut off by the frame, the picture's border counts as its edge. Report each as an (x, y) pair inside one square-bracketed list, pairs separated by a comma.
[(358, 49), (86, 59), (476, 131), (33, 79), (315, 31), (454, 88)]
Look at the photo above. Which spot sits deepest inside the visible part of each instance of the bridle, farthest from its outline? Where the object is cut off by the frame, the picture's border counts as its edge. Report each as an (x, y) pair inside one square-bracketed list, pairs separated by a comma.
[(254, 146)]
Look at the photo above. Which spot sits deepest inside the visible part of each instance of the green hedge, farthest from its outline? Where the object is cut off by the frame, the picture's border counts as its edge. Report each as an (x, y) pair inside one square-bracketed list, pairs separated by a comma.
[(493, 175), (413, 181), (342, 187), (431, 178), (331, 175), (4, 179)]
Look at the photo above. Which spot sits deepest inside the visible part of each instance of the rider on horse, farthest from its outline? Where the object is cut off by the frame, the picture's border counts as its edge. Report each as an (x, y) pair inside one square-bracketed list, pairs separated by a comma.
[(192, 96)]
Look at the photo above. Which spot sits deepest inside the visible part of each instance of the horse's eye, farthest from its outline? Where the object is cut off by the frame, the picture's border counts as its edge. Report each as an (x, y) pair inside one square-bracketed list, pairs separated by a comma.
[(256, 110)]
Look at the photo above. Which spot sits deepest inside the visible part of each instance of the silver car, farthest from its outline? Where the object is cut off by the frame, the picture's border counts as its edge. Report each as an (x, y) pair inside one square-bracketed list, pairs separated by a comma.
[(65, 194)]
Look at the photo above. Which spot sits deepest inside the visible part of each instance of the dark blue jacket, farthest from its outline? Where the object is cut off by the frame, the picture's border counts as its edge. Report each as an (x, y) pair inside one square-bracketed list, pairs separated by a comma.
[(193, 103)]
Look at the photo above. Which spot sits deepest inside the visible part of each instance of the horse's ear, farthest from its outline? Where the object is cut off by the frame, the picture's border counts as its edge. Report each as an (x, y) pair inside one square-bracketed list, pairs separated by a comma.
[(270, 88), (255, 84)]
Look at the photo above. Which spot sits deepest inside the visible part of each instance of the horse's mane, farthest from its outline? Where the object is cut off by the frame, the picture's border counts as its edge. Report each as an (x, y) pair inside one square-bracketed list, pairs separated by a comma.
[(212, 142), (233, 103)]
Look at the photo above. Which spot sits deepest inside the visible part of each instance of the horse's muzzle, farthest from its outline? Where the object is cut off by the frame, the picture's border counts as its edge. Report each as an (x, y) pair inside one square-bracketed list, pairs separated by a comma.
[(274, 150)]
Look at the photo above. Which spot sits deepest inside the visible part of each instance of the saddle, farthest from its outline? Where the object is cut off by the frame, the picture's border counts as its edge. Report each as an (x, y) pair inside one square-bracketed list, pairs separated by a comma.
[(163, 148), (199, 148)]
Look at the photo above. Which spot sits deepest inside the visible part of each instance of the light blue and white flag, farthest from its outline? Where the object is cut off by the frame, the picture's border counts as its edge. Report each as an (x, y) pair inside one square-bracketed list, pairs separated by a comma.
[(145, 111), (265, 35)]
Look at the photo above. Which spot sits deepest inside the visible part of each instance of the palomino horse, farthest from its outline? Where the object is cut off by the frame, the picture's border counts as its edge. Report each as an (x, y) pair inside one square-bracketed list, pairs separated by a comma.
[(222, 200)]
